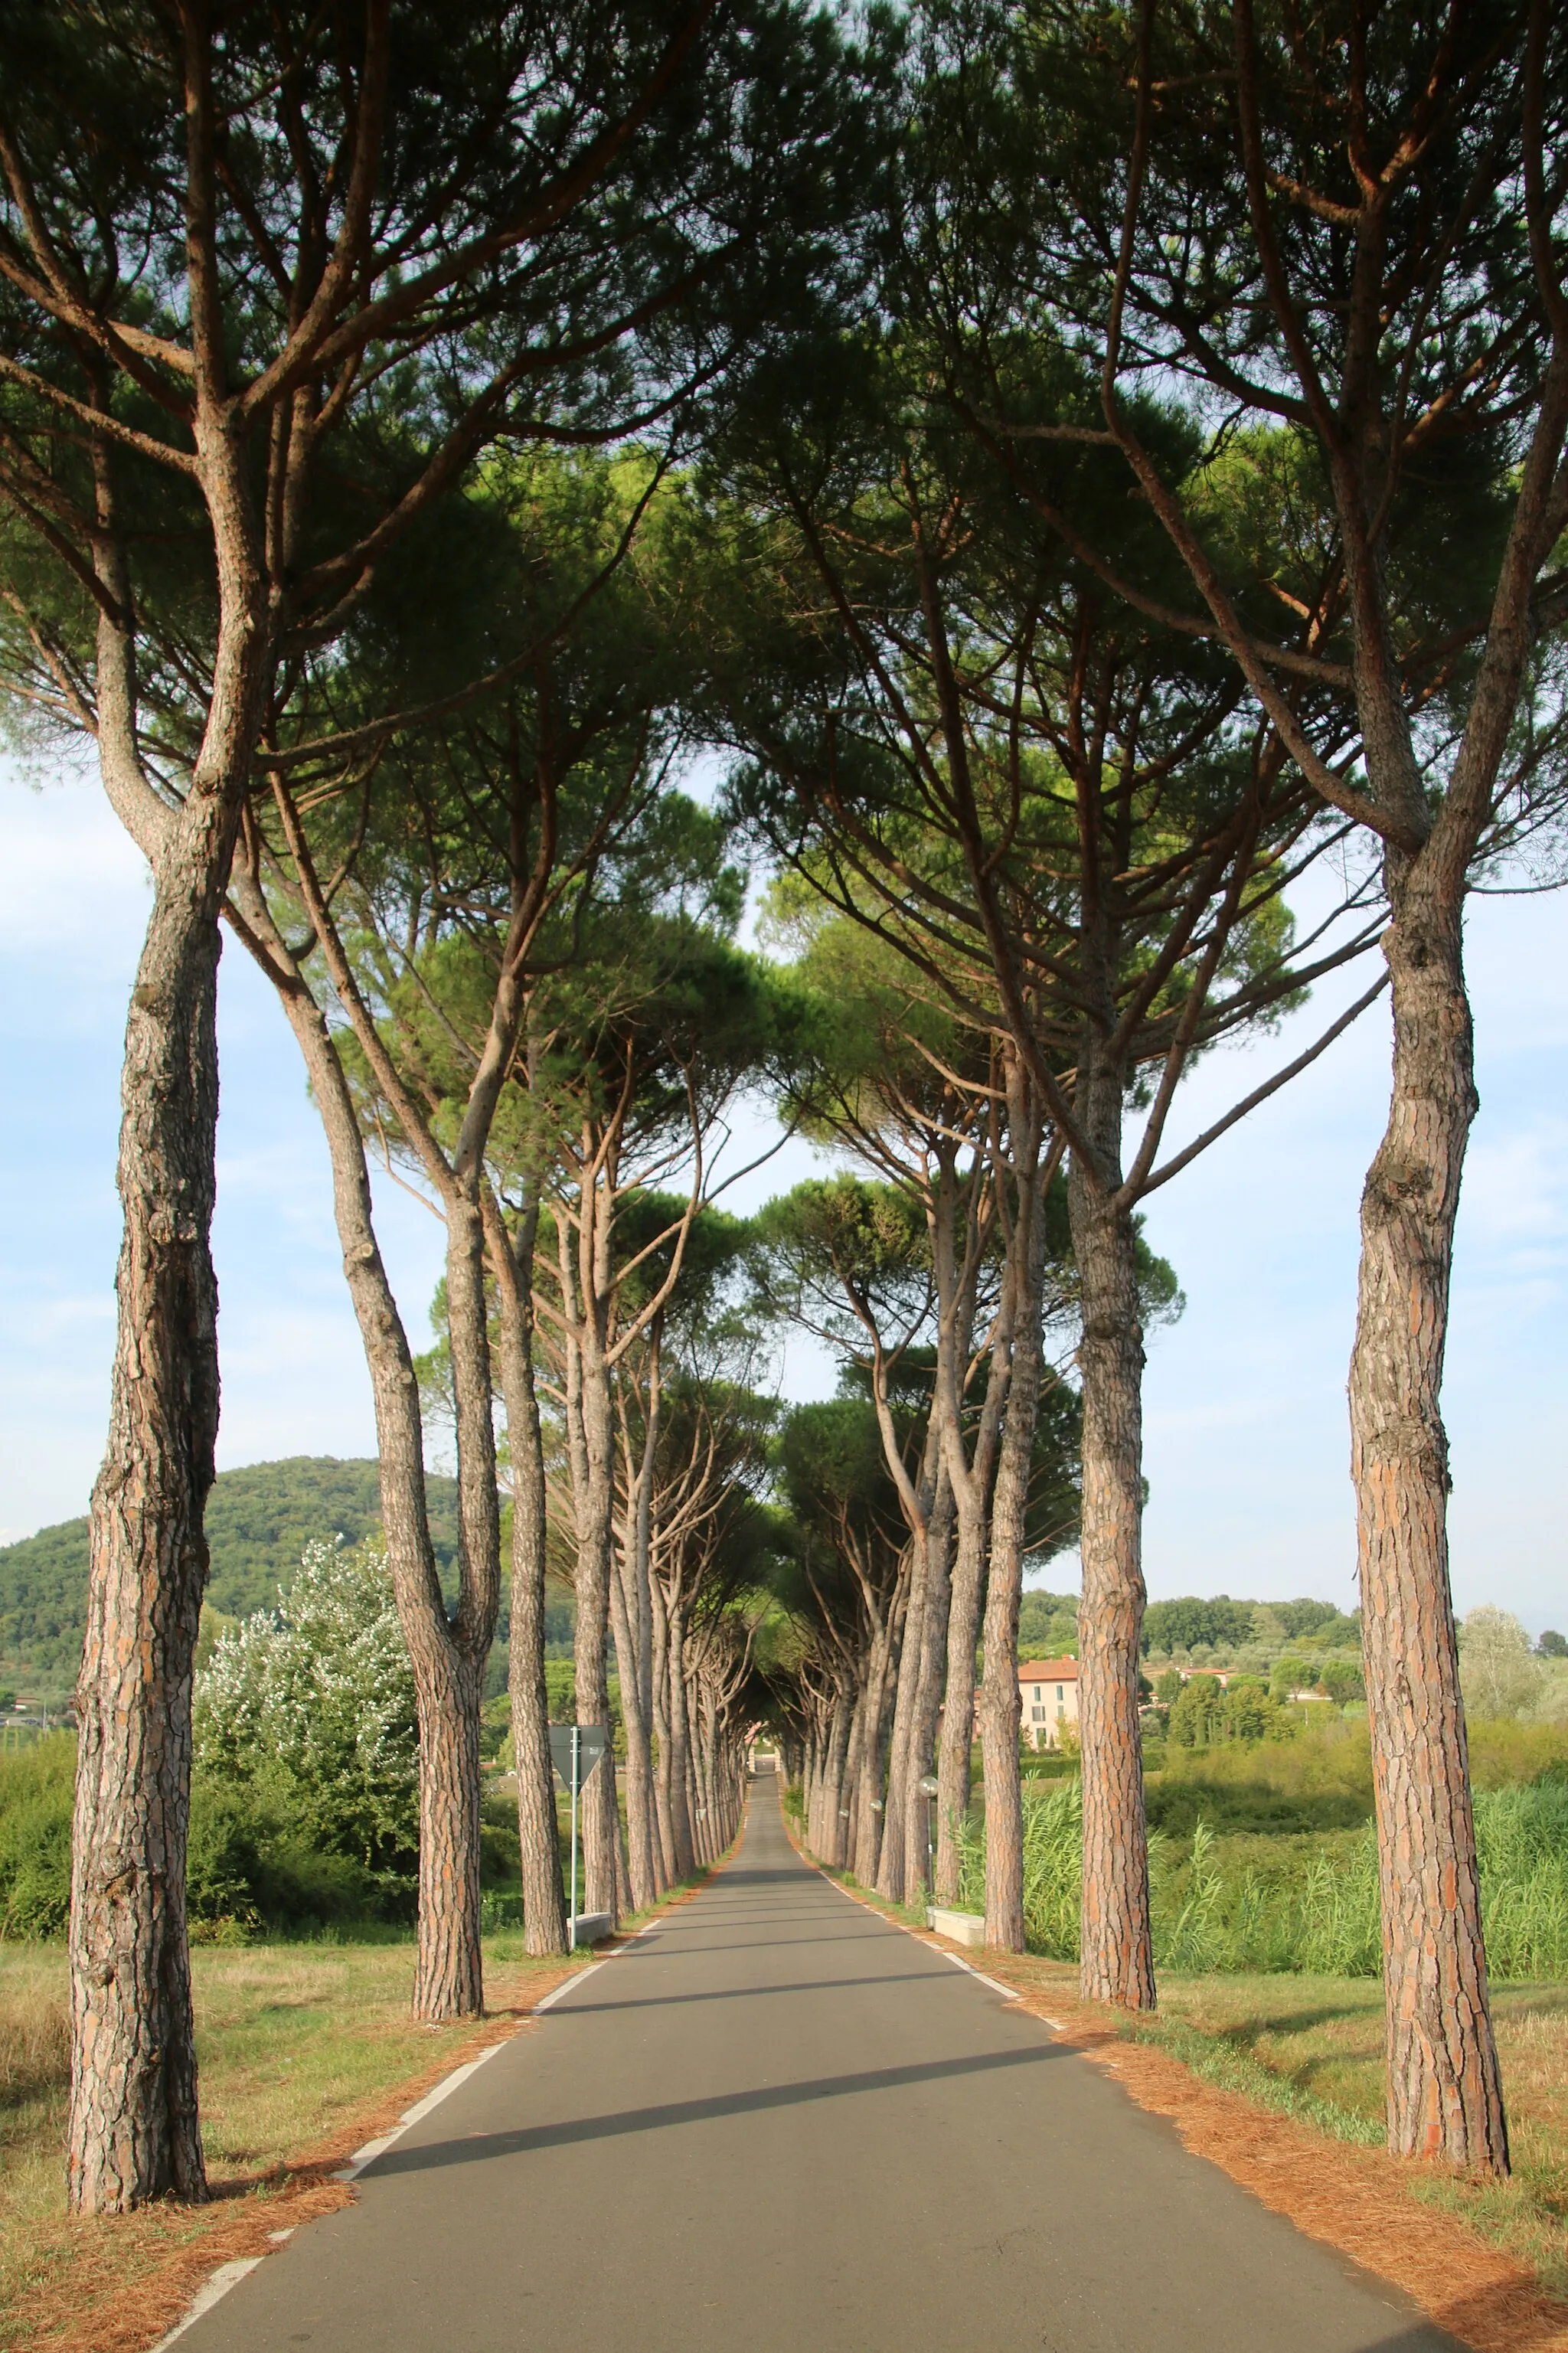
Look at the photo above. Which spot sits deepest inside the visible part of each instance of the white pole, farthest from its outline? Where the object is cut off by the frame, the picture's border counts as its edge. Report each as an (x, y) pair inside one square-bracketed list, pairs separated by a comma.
[(576, 1772)]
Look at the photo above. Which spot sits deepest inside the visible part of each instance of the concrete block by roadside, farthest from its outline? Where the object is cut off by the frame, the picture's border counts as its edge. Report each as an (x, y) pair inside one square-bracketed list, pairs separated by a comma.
[(962, 1928)]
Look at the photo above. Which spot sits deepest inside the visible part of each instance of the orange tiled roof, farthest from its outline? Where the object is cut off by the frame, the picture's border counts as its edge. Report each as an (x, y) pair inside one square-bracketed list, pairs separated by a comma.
[(1048, 1670)]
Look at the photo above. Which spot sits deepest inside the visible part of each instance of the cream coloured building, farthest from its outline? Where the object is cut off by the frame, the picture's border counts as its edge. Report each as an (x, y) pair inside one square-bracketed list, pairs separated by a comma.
[(1049, 1690)]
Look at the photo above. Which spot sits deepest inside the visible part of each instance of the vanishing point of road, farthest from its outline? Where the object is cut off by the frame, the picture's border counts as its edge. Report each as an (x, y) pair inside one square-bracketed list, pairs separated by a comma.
[(776, 2124)]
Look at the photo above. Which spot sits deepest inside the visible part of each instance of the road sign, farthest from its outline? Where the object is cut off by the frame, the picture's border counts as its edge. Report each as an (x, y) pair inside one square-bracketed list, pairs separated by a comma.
[(575, 1750)]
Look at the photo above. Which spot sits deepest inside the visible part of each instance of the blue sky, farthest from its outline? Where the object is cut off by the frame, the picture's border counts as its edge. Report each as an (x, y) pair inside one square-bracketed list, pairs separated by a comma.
[(1245, 1419)]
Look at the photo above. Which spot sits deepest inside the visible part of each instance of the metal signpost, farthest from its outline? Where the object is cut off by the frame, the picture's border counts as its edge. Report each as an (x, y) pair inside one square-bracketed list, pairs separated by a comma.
[(928, 1786), (575, 1750)]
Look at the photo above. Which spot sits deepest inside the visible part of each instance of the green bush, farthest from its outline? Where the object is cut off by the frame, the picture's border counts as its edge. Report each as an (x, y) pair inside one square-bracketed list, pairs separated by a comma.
[(315, 1698), (37, 1786), (253, 1864)]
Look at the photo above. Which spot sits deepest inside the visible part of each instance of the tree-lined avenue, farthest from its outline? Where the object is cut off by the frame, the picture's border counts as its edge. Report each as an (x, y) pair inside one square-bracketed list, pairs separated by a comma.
[(813, 2132)]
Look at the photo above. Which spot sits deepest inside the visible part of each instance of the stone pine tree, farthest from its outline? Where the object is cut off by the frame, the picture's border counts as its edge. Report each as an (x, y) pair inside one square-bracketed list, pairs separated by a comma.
[(1345, 238), (426, 906), (649, 1045), (1060, 812), (269, 285)]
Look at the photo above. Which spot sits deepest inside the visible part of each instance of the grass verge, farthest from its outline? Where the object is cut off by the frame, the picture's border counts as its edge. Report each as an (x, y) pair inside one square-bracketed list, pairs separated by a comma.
[(1279, 2080), (306, 2051)]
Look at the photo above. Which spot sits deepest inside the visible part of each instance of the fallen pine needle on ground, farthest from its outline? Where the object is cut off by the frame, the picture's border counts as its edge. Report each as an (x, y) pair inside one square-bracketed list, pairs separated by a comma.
[(306, 2051), (1279, 2081)]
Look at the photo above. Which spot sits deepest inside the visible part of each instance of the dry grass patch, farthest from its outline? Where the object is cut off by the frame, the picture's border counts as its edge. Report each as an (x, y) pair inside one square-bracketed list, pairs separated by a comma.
[(305, 2052)]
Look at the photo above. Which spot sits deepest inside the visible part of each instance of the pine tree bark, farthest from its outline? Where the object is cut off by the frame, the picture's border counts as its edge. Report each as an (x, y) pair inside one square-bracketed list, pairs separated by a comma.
[(539, 1845), (966, 1603), (1117, 1952), (135, 2132), (632, 1623), (999, 1696), (679, 1743), (449, 1829), (659, 1661), (866, 1828), (906, 1679), (641, 1867), (929, 1675), (449, 1962), (600, 1814), (830, 1843), (1445, 2094)]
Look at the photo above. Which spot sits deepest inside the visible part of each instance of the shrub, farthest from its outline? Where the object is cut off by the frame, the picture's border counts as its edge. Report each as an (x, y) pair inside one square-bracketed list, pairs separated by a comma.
[(1205, 1712), (253, 1864), (1341, 1681), (316, 1699), (36, 1788), (1499, 1676)]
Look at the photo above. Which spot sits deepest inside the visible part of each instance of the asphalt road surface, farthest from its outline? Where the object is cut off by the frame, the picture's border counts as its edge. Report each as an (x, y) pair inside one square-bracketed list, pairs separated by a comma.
[(776, 2124)]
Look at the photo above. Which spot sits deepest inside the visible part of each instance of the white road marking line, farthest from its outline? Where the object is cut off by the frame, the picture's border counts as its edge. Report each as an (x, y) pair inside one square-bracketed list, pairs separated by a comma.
[(444, 2089), (228, 2275), (212, 2291), (1008, 1993), (565, 1986)]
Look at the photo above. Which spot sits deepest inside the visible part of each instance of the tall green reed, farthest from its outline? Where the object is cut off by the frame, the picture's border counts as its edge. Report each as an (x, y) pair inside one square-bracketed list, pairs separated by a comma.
[(1319, 1916)]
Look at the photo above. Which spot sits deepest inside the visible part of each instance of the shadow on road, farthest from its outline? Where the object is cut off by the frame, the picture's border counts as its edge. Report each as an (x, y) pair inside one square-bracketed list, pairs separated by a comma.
[(479, 2147), (590, 2008)]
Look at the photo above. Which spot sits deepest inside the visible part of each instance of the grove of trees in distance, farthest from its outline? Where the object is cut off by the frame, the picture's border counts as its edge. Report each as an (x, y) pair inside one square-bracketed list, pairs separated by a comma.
[(1084, 471)]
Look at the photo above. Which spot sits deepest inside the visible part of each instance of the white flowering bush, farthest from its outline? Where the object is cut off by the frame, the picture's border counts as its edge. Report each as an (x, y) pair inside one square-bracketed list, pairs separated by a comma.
[(311, 1703)]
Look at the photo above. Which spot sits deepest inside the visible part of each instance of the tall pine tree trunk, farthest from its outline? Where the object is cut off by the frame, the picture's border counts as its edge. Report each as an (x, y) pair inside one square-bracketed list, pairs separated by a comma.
[(966, 1599), (591, 1442), (1444, 2096), (906, 1679), (999, 1702), (930, 1675), (543, 1898), (134, 2132), (830, 1844), (1117, 1953), (641, 1833), (866, 1826), (447, 1966), (679, 1744), (658, 1662), (449, 1827)]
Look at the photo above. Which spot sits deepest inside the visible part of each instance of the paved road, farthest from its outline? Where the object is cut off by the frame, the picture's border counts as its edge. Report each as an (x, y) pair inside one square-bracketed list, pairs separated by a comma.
[(778, 2125)]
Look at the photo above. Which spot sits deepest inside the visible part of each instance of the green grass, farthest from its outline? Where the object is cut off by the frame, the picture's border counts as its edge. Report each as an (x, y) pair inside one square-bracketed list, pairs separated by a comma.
[(1294, 1903), (292, 2041), (1312, 2048)]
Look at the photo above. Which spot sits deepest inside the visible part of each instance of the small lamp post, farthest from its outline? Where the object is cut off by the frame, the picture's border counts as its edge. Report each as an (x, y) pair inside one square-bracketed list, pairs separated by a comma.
[(928, 1791)]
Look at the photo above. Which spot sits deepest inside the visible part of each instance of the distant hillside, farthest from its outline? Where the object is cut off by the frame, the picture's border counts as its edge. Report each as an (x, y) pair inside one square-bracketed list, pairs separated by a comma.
[(260, 1520), (1049, 1622)]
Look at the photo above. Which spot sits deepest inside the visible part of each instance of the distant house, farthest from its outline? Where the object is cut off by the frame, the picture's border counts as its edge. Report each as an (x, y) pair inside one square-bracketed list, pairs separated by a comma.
[(1049, 1690)]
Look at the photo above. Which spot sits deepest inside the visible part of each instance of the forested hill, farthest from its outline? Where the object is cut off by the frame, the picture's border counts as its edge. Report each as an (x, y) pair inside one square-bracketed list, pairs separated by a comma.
[(258, 1521), (1218, 1628)]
